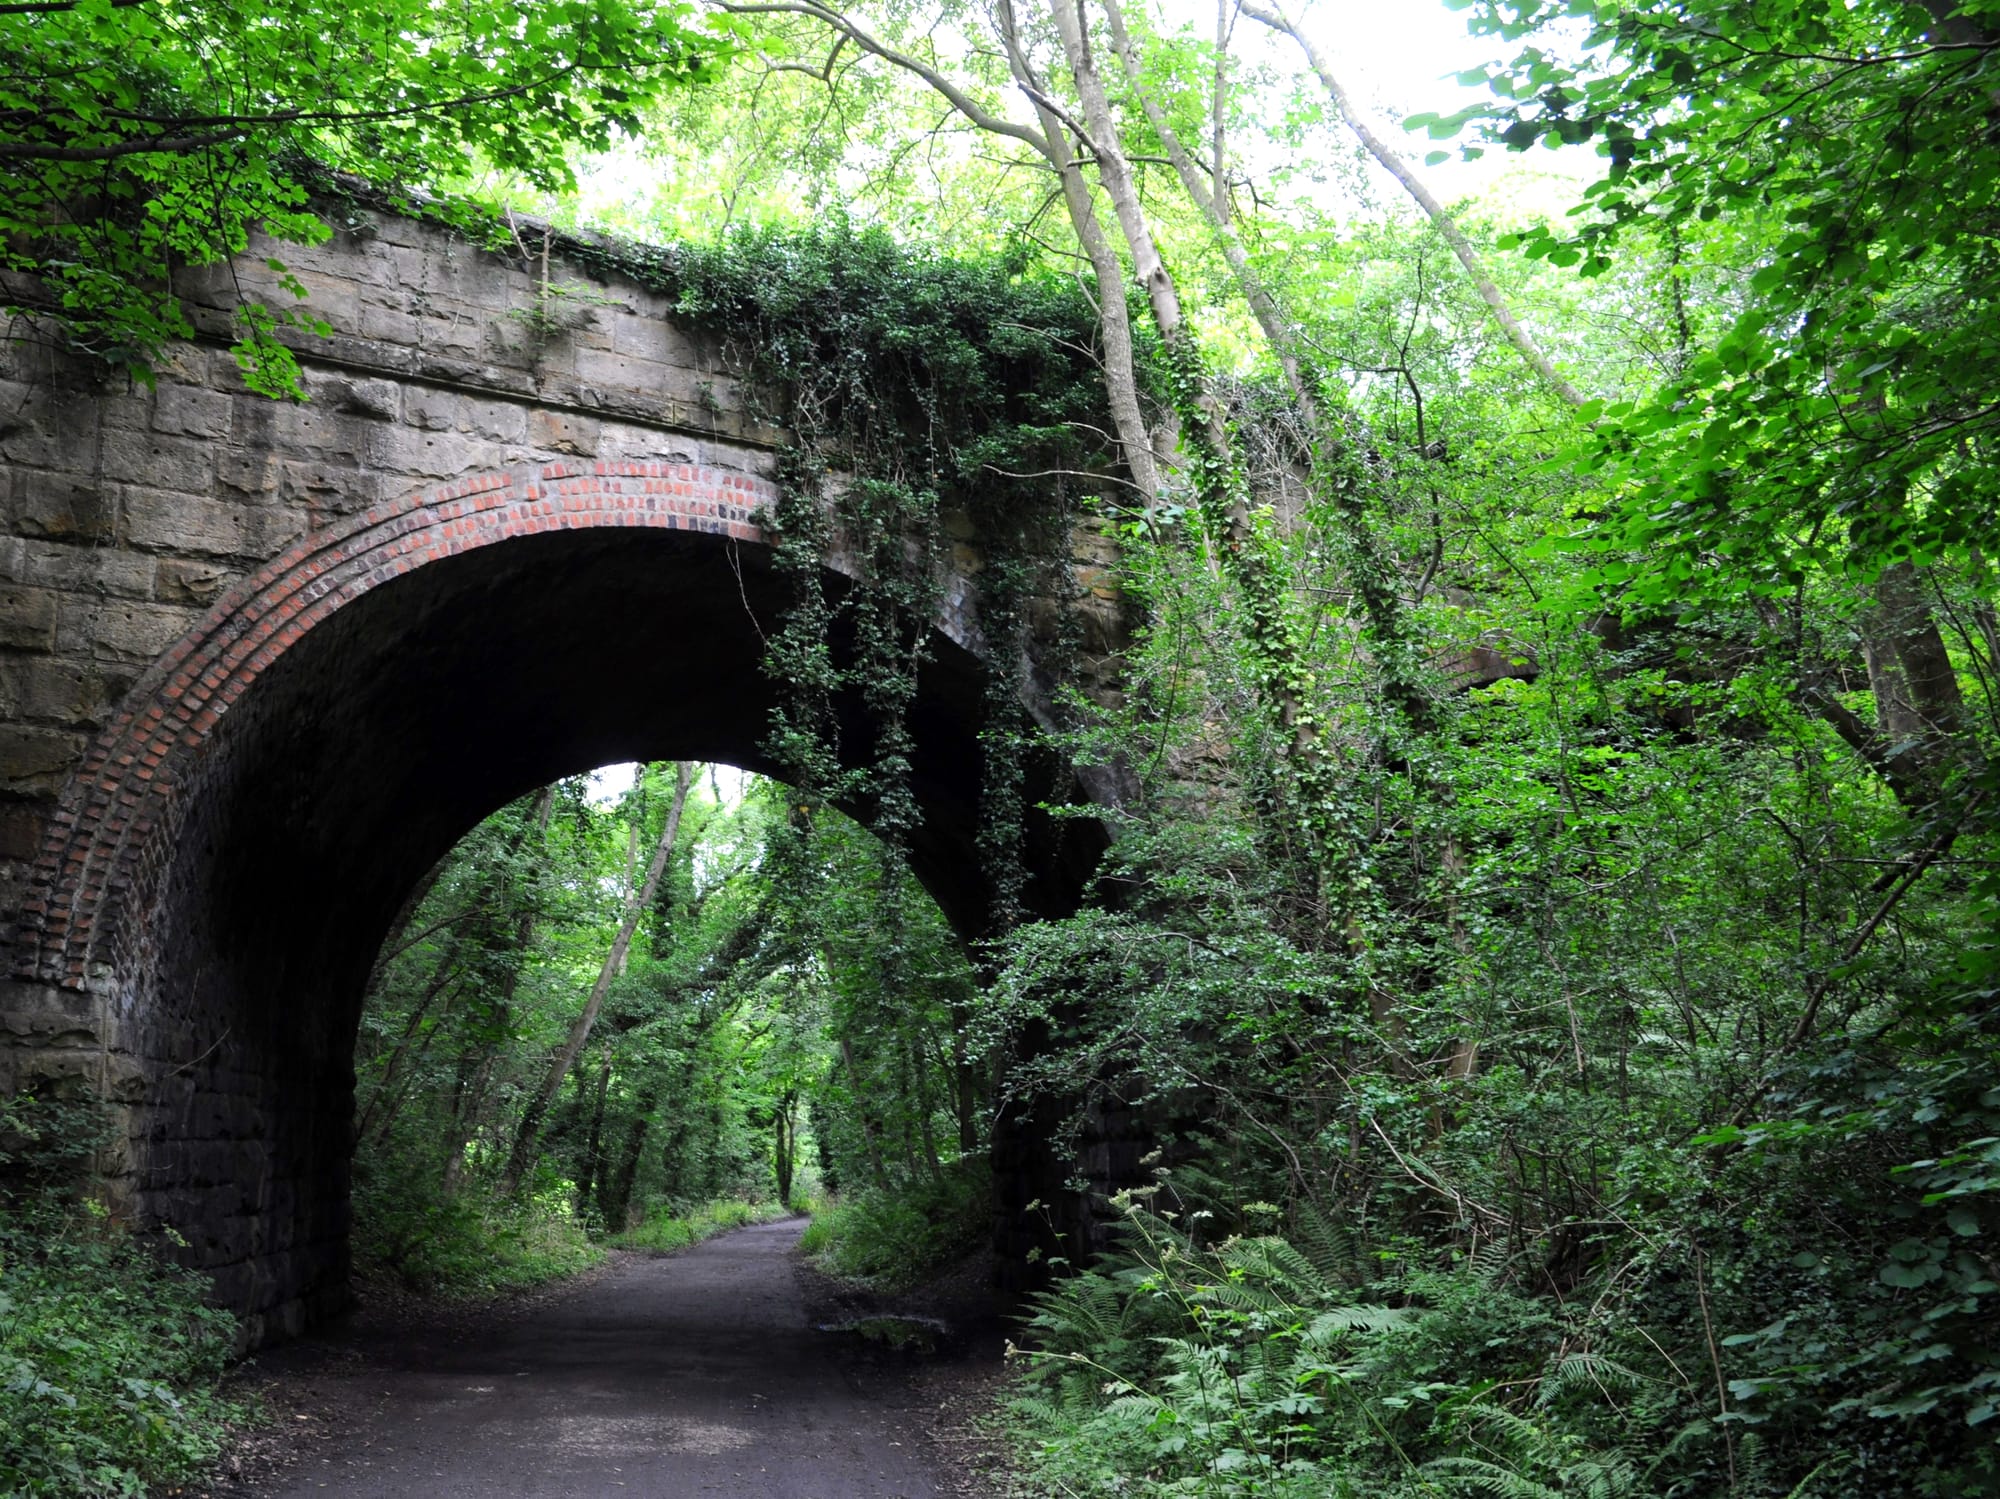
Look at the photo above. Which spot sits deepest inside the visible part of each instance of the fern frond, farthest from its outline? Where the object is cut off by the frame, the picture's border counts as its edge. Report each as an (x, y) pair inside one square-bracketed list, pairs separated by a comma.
[(1586, 1371), (1472, 1475), (1358, 1318), (1489, 1262), (1280, 1264), (1519, 1435), (1326, 1244)]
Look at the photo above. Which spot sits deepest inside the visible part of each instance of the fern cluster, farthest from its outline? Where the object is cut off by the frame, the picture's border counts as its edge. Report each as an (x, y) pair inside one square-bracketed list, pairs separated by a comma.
[(1280, 1366)]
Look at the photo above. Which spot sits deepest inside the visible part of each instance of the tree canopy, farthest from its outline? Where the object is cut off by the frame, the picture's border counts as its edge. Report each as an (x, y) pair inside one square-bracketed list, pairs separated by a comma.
[(1842, 414), (138, 137)]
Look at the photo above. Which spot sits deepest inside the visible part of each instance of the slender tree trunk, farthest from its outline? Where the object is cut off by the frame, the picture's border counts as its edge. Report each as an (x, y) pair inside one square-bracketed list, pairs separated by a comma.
[(784, 1142), (385, 1089), (870, 1136), (593, 1154), (1213, 201), (1121, 382), (1225, 12), (1115, 172), (465, 1122), (920, 1065), (465, 1119), (416, 1054), (1249, 555), (1052, 144), (1918, 708), (967, 1090), (1373, 570), (616, 1204), (526, 1136)]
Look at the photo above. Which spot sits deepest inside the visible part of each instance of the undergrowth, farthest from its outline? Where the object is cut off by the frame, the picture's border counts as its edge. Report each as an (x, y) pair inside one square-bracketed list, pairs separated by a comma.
[(894, 1237), (109, 1355), (468, 1244), (670, 1227), (1267, 1367), (1285, 1366)]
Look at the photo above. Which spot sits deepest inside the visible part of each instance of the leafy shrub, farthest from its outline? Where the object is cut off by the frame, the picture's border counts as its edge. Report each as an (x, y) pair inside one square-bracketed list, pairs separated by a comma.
[(1270, 1366), (469, 1244), (895, 1236), (47, 1142), (109, 1355), (1258, 1367)]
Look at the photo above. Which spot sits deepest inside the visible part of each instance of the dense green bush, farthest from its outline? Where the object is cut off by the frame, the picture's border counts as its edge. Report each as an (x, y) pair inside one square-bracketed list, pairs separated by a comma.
[(897, 1235), (109, 1355), (467, 1243), (1273, 1365), (1258, 1367)]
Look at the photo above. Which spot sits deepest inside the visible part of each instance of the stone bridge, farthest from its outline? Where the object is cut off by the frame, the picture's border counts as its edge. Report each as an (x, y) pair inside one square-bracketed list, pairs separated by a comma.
[(262, 663)]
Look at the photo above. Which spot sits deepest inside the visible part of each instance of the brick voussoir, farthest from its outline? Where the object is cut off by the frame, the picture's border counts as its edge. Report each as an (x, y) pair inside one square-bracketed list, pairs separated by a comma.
[(255, 621)]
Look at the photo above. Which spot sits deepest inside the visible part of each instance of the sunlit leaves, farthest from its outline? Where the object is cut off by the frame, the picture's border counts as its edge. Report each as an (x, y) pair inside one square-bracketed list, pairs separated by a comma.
[(141, 139), (1846, 418)]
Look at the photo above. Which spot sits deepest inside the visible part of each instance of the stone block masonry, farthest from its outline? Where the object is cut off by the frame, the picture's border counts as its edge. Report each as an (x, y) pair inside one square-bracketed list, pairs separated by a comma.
[(262, 662)]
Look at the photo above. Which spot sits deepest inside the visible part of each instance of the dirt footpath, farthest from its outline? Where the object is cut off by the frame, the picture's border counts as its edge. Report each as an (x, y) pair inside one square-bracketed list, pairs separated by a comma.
[(695, 1374)]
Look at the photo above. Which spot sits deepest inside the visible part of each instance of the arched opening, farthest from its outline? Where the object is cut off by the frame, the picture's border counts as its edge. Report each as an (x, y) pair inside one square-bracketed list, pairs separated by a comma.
[(224, 868), (641, 1006)]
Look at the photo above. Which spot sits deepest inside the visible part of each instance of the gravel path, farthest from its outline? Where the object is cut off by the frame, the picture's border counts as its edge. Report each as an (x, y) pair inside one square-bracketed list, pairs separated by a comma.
[(681, 1376)]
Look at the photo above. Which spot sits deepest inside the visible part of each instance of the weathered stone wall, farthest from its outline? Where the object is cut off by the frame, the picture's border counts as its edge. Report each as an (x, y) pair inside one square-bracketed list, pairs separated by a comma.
[(130, 512), (261, 662)]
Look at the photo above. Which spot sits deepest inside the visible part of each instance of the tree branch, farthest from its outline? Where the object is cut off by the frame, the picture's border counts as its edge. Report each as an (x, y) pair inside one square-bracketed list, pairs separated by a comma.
[(1273, 15), (963, 102)]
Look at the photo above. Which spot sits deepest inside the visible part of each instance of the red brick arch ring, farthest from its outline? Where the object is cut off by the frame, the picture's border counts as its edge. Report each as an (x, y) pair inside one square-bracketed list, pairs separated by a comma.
[(117, 819), (223, 866)]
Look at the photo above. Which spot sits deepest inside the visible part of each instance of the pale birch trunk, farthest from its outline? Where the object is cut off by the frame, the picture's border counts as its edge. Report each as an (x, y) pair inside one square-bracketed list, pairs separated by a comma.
[(614, 961)]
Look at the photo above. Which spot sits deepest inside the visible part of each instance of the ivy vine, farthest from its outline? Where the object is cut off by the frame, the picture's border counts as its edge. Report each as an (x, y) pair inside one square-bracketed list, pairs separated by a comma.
[(919, 391)]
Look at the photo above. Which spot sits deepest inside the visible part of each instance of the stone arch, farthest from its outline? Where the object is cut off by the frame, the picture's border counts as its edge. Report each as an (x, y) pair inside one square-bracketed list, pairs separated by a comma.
[(219, 869)]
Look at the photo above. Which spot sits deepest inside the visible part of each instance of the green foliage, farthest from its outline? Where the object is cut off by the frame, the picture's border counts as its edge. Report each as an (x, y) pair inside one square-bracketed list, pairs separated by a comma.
[(1844, 416), (1254, 1367), (109, 1354), (896, 1236), (1550, 938), (48, 1141), (141, 142), (754, 1047), (1646, 1077), (108, 1362), (467, 1244), (896, 363), (945, 394)]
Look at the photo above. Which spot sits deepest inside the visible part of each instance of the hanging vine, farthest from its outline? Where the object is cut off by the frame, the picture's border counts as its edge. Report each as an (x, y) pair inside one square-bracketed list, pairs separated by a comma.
[(927, 398)]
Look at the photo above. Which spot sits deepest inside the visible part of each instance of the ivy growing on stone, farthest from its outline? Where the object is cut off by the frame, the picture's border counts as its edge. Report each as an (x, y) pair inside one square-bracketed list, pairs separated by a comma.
[(923, 395)]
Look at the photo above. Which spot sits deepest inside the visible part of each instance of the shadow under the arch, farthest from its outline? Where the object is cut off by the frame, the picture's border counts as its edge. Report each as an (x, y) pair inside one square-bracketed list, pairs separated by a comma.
[(357, 758)]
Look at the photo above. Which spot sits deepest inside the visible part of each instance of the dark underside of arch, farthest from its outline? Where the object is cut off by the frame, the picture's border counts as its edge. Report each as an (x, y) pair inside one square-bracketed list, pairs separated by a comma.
[(362, 754)]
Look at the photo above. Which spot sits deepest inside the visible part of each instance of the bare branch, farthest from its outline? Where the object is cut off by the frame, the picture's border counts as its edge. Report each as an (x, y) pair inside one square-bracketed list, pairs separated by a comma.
[(1272, 14), (963, 102)]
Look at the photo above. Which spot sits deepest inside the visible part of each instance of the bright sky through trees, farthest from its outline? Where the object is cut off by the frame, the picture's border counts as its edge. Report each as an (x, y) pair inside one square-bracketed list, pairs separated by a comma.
[(610, 782), (1403, 57)]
